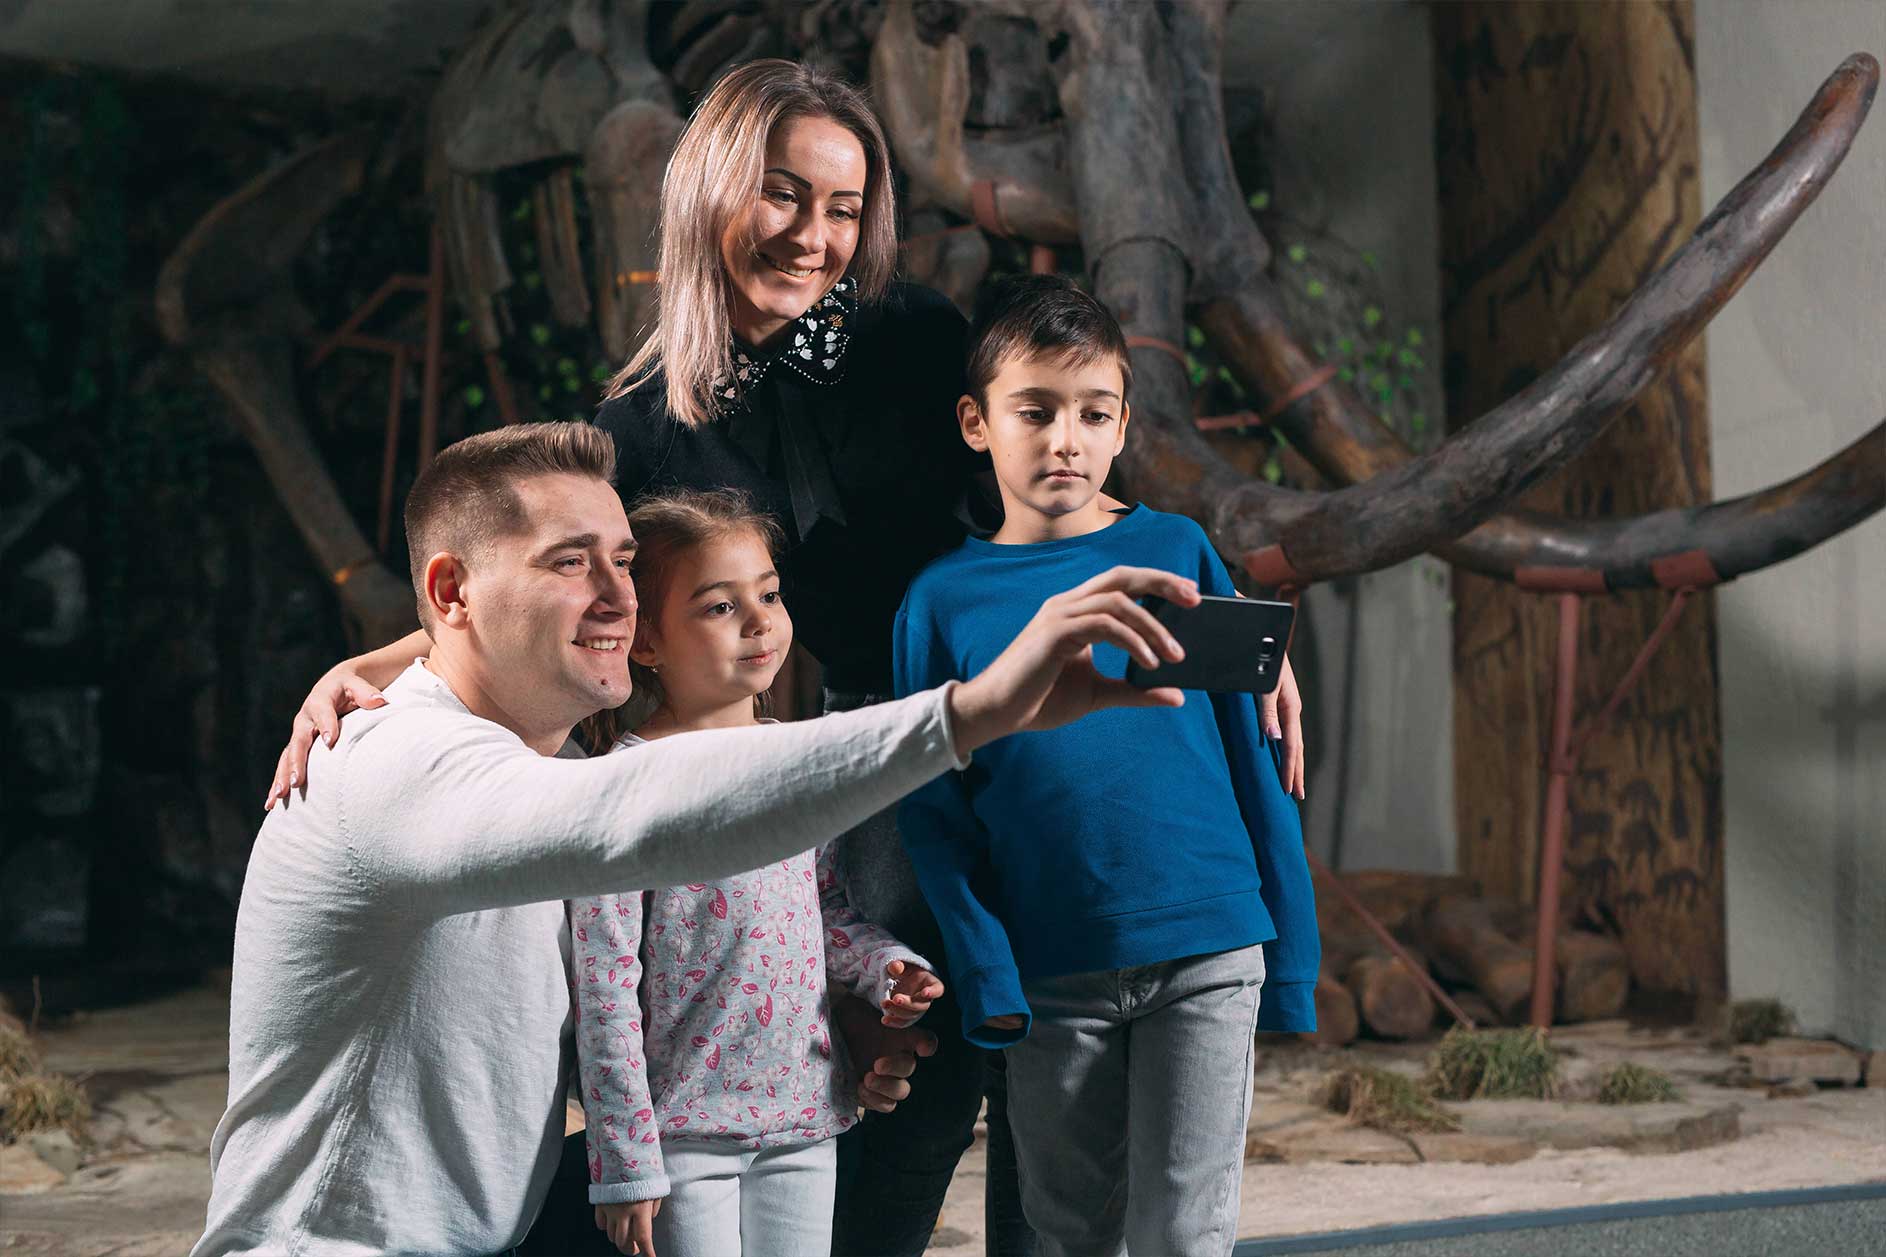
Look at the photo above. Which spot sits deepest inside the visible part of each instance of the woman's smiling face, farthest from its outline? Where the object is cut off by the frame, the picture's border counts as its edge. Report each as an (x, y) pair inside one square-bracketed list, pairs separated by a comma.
[(796, 242)]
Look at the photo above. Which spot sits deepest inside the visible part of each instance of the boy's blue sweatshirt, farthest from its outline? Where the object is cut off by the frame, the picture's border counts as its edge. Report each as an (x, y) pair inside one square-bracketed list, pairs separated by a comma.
[(1130, 837)]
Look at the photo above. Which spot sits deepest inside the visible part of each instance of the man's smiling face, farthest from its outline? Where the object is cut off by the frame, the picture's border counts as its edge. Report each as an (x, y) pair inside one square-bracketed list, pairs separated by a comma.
[(552, 606)]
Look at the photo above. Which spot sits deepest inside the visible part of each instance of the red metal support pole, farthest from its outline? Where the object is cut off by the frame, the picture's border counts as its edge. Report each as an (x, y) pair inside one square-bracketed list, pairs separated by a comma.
[(1558, 783), (1388, 940), (389, 453), (435, 351)]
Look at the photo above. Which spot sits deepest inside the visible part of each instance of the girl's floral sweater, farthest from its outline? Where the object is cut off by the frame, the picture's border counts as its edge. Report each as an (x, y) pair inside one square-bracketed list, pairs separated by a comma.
[(701, 1013)]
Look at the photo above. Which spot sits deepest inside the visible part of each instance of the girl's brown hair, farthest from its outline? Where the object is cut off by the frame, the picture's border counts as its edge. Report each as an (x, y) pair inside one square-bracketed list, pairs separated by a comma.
[(665, 527)]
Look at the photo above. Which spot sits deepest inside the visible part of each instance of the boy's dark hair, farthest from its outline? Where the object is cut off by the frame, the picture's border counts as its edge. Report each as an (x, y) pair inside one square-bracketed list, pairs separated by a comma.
[(467, 496), (1044, 315)]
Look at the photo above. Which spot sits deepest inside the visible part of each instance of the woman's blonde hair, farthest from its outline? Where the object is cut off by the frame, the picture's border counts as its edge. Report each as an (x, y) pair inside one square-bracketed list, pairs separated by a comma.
[(665, 527), (711, 183)]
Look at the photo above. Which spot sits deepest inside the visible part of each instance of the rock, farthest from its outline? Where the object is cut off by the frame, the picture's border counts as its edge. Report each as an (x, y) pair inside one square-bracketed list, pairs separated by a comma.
[(22, 1172), (1783, 1060), (1479, 1149), (28, 489), (43, 885), (53, 757), (45, 604), (57, 1149), (1297, 1133), (1628, 1127), (1875, 1069)]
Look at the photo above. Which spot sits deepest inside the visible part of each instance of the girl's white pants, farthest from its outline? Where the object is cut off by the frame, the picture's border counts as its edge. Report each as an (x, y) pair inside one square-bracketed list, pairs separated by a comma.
[(727, 1201)]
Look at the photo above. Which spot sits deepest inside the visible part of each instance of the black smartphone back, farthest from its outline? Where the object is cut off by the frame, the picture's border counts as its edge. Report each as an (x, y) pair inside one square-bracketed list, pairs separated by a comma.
[(1231, 644)]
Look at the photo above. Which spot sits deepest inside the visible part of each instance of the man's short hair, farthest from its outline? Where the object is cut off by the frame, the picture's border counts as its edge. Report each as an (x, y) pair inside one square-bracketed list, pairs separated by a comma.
[(466, 498), (1040, 316)]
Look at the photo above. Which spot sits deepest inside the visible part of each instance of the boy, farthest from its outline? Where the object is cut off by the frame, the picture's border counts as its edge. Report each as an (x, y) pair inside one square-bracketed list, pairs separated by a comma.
[(1111, 895)]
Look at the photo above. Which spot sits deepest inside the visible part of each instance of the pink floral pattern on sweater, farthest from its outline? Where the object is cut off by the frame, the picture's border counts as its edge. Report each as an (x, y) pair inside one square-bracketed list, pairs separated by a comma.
[(702, 1013)]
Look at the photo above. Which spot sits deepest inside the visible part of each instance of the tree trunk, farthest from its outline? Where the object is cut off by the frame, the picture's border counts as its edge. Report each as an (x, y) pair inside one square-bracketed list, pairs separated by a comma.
[(1566, 140)]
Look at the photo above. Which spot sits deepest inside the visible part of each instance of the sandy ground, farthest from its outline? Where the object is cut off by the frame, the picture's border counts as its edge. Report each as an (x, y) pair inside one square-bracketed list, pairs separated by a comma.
[(158, 1074)]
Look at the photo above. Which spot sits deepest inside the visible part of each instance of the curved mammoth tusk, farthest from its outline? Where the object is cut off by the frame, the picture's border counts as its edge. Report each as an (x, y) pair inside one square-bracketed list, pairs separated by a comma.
[(1541, 427), (1690, 545)]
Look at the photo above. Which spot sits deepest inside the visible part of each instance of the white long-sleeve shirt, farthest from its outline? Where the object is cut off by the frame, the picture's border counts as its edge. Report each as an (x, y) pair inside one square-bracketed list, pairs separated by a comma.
[(400, 1009)]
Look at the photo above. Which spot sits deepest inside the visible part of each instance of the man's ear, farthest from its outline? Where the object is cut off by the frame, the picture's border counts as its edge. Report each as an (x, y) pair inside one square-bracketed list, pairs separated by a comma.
[(969, 419), (445, 577)]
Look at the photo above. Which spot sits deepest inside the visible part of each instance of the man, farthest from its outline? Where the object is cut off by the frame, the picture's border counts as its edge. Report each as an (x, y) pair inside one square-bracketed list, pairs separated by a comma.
[(400, 1013)]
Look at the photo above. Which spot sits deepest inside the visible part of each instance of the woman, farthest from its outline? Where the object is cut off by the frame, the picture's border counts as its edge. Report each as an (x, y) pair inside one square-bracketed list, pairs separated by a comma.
[(786, 363)]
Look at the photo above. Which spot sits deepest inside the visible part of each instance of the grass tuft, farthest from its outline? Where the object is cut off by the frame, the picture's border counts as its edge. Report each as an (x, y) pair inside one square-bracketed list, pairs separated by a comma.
[(1517, 1064), (39, 1102), (1628, 1083), (1756, 1020), (1385, 1100), (17, 1057)]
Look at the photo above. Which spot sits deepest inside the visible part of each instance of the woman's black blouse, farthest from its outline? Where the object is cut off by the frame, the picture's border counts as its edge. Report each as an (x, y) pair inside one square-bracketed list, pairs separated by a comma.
[(845, 431)]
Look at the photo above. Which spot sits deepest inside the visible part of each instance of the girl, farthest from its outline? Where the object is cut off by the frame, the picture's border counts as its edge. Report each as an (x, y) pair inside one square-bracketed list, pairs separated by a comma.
[(703, 1041)]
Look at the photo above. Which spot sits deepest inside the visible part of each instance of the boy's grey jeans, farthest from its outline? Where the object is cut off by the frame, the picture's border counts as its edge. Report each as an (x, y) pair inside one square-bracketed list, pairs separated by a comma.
[(1129, 1099)]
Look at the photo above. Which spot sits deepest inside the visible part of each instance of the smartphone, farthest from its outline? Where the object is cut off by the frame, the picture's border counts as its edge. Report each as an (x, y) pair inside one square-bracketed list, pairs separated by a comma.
[(1231, 644)]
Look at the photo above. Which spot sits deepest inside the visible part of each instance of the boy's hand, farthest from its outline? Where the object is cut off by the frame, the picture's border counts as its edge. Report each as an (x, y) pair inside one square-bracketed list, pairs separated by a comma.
[(1004, 1021), (1046, 677), (912, 992), (1283, 722), (630, 1226)]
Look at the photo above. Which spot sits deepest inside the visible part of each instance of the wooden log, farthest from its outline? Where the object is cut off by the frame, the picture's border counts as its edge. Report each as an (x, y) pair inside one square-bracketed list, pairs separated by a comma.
[(1594, 975), (1459, 932), (1390, 999), (1394, 897), (1337, 1022)]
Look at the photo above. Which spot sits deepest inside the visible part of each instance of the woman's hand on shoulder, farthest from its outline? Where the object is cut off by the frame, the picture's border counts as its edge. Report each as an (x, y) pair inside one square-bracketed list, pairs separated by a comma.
[(339, 691), (1283, 722)]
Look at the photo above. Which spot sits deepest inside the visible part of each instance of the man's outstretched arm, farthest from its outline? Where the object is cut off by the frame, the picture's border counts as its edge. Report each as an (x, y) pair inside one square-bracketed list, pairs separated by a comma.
[(449, 814)]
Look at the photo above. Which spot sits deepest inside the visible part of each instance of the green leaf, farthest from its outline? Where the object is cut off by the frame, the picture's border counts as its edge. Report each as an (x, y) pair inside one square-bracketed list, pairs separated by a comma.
[(1371, 315), (1259, 201), (532, 281), (474, 396), (1296, 253), (1344, 346), (566, 366), (572, 384), (1194, 337), (1314, 289), (545, 392), (1273, 470), (539, 334), (521, 213), (462, 327), (1414, 337), (1417, 423), (600, 372), (1346, 374), (1368, 260)]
